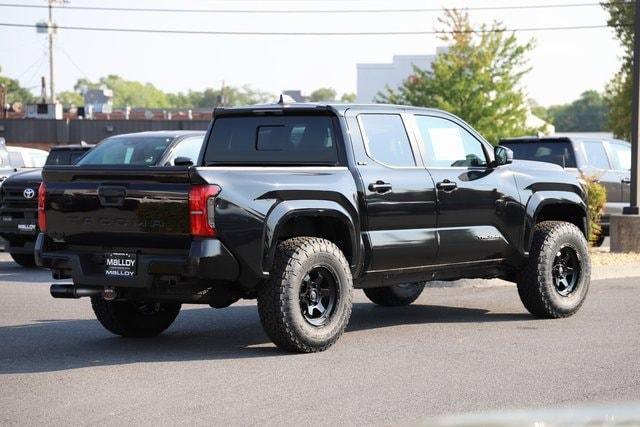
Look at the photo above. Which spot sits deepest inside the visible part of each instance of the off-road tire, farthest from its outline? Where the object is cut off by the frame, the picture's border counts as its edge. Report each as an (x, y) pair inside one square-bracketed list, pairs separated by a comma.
[(396, 295), (25, 260), (279, 296), (535, 284), (125, 318)]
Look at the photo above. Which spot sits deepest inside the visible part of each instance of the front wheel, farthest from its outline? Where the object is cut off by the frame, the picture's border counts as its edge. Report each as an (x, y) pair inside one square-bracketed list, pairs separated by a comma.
[(134, 319), (306, 303), (396, 295), (556, 279)]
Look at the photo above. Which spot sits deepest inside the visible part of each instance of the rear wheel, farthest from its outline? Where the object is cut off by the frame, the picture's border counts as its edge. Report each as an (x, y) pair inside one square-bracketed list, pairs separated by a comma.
[(25, 260), (306, 303), (134, 319), (396, 295), (556, 278)]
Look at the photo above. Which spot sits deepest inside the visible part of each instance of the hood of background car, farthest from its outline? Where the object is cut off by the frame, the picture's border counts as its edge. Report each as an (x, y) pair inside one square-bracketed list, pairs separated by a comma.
[(25, 176)]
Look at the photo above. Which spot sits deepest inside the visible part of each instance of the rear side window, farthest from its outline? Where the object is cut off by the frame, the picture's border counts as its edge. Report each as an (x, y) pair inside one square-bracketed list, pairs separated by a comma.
[(595, 154), (137, 151), (272, 140), (386, 139), (557, 152)]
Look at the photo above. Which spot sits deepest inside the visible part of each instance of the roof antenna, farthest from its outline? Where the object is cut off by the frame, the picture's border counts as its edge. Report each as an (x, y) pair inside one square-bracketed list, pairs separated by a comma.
[(285, 99)]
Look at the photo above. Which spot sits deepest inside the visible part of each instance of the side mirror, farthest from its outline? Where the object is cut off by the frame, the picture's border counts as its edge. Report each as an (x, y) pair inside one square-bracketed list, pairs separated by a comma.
[(503, 155), (182, 161)]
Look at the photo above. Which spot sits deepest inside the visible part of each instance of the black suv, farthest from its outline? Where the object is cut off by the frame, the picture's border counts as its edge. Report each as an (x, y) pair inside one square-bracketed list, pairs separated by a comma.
[(608, 160), (19, 204), (296, 205)]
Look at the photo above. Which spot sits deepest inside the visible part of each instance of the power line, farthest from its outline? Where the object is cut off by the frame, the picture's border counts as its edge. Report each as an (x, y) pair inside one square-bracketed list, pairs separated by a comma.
[(305, 11), (305, 33)]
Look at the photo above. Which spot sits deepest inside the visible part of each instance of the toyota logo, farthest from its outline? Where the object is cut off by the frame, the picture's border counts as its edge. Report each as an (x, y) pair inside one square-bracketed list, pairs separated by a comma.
[(28, 193)]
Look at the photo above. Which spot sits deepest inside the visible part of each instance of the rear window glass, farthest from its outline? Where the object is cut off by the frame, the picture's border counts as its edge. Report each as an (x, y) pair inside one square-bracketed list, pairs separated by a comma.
[(275, 140), (58, 158), (138, 151), (559, 153)]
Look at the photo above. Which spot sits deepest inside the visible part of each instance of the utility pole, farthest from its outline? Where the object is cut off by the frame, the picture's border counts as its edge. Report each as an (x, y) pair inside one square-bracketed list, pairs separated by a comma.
[(625, 229), (52, 91), (632, 209)]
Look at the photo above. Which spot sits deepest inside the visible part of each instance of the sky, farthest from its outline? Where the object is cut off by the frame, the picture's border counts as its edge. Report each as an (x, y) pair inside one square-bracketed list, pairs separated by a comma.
[(564, 63)]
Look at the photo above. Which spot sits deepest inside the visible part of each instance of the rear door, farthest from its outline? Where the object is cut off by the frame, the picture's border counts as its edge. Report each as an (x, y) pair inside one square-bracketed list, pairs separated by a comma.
[(620, 155), (399, 194)]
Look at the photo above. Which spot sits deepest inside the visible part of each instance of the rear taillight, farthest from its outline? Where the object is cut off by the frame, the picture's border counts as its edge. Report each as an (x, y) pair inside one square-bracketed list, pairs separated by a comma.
[(202, 199), (42, 214)]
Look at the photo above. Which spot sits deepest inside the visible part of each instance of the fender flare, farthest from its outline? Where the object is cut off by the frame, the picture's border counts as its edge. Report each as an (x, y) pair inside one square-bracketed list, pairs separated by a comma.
[(282, 212), (542, 199)]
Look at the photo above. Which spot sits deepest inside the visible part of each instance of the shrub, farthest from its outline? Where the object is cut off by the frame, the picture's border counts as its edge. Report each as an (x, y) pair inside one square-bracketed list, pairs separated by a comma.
[(596, 198)]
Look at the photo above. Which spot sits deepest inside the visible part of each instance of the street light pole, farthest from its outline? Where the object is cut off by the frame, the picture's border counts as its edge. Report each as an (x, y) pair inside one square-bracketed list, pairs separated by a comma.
[(633, 208)]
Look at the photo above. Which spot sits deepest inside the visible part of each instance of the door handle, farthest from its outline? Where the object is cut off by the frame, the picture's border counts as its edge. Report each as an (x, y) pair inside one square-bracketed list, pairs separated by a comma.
[(626, 180), (380, 187), (446, 186)]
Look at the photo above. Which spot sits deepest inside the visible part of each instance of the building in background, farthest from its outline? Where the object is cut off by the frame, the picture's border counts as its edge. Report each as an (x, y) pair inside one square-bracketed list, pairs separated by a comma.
[(374, 78), (98, 101)]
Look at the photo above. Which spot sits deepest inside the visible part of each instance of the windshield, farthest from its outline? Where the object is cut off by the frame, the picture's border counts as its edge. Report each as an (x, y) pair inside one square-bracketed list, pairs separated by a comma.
[(138, 151), (556, 152)]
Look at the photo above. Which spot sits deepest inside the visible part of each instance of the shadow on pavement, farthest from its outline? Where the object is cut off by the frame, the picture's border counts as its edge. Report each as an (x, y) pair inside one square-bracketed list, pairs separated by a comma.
[(12, 272), (198, 334)]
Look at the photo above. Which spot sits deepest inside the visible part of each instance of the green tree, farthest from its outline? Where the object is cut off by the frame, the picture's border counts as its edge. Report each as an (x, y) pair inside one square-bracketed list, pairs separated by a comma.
[(618, 91), (69, 98), (348, 97), (323, 94), (589, 113), (478, 78), (15, 92)]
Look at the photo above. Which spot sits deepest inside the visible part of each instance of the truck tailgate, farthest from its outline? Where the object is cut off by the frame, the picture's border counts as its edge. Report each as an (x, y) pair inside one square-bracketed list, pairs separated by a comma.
[(118, 207)]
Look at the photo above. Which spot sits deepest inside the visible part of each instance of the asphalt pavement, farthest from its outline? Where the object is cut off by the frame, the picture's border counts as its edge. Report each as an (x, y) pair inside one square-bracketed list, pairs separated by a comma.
[(455, 350)]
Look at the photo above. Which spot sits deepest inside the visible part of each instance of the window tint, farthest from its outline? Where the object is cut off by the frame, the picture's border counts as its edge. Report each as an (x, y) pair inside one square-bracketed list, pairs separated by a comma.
[(386, 139), (303, 139), (75, 156), (620, 156), (556, 152), (595, 154), (446, 144), (127, 151), (189, 148)]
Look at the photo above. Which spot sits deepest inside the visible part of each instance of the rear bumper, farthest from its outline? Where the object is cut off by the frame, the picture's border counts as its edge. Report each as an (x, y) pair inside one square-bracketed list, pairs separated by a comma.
[(207, 260)]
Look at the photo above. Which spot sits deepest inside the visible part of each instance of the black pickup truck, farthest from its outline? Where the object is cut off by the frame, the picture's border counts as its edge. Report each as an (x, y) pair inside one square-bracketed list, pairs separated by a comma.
[(296, 205), (19, 204)]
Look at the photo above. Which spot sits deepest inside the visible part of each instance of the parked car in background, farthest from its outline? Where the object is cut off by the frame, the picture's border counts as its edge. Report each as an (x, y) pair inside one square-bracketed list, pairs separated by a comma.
[(23, 157), (19, 193), (19, 204), (5, 166), (608, 160)]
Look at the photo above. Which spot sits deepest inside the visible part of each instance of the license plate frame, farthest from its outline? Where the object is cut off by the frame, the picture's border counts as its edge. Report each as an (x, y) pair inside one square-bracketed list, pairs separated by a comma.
[(120, 264)]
